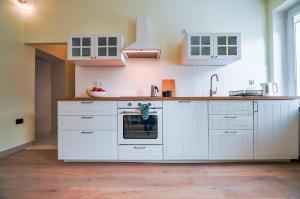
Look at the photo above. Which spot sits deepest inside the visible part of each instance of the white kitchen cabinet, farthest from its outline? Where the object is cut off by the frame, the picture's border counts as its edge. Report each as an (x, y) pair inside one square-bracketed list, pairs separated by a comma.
[(140, 152), (240, 107), (87, 145), (276, 129), (87, 122), (81, 47), (231, 144), (87, 108), (97, 50), (185, 130), (211, 48), (231, 121), (87, 130), (231, 130)]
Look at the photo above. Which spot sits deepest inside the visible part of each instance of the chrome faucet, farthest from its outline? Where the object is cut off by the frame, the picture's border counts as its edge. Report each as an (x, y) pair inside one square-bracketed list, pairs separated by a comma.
[(211, 92)]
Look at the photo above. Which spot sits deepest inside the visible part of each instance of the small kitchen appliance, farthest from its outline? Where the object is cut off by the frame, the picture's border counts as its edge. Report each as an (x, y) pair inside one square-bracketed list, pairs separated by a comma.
[(269, 88), (154, 91)]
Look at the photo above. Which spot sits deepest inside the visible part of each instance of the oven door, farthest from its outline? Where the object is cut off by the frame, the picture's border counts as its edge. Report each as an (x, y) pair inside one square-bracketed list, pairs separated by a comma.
[(133, 130)]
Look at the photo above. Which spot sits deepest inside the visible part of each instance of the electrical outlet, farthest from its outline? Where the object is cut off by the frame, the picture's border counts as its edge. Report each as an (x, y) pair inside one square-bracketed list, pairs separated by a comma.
[(19, 121)]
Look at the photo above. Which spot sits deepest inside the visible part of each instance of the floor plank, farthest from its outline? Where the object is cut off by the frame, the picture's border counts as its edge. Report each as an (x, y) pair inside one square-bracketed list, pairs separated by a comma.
[(38, 174)]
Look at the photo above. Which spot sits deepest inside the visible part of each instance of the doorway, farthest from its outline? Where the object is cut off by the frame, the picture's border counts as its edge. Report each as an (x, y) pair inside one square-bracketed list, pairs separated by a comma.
[(54, 79)]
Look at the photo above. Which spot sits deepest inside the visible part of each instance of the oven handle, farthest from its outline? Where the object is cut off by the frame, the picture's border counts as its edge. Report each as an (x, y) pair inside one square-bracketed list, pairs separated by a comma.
[(136, 112)]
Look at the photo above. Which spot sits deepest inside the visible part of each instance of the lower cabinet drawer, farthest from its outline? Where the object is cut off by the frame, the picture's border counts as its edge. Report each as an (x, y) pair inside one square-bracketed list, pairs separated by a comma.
[(87, 122), (230, 144), (231, 122), (140, 152)]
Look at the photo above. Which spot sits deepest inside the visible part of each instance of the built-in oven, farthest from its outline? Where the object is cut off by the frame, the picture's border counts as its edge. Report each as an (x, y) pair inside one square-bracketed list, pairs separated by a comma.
[(132, 129)]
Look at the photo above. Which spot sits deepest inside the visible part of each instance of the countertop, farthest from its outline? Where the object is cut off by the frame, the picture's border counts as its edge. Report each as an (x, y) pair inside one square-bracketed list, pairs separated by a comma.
[(146, 98)]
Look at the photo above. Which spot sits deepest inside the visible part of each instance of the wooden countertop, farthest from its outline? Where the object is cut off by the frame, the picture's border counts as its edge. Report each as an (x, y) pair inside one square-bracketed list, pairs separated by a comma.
[(145, 98)]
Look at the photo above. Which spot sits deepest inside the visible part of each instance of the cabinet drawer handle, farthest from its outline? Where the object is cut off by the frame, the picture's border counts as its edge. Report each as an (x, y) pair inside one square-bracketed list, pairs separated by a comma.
[(184, 101), (139, 147), (230, 131), (87, 102), (87, 132), (230, 117), (86, 117)]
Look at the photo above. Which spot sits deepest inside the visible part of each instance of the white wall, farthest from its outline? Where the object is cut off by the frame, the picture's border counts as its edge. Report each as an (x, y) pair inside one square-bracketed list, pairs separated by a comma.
[(43, 102)]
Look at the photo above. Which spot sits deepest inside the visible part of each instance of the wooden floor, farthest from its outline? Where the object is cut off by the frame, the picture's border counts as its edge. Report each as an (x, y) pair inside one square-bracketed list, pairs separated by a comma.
[(38, 174)]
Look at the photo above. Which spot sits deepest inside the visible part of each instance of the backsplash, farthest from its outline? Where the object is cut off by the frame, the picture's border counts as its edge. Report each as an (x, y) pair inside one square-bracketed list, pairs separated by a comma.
[(136, 78)]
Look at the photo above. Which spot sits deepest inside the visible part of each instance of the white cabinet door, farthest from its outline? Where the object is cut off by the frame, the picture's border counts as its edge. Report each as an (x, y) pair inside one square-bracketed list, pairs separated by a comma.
[(230, 144), (108, 46), (276, 129), (81, 47), (98, 144), (200, 46), (185, 130), (88, 145), (67, 145), (227, 46)]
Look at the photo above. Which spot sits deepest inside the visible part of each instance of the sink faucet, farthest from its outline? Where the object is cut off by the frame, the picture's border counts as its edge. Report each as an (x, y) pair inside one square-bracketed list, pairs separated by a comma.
[(211, 92)]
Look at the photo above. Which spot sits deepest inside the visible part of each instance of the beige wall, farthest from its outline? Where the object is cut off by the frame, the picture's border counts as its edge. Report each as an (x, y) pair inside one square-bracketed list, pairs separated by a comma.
[(16, 79)]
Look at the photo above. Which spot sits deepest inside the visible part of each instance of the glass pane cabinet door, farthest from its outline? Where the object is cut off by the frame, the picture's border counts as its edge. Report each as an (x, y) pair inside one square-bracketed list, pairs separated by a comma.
[(76, 52), (81, 47), (227, 45), (107, 46), (200, 46)]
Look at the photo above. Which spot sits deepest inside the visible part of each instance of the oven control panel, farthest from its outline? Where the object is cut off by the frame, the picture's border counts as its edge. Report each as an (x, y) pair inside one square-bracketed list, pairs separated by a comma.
[(136, 104)]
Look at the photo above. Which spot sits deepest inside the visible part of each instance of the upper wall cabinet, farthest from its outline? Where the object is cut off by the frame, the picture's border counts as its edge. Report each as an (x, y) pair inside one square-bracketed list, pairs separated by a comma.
[(206, 49), (96, 50)]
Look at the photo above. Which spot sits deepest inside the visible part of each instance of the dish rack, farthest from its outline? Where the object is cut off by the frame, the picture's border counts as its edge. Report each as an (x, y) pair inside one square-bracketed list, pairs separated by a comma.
[(246, 93)]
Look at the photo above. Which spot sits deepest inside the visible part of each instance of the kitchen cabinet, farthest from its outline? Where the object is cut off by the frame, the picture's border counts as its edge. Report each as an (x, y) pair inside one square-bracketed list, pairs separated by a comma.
[(87, 130), (140, 152), (88, 145), (87, 108), (276, 129), (185, 130), (231, 144), (97, 50), (230, 130), (211, 48)]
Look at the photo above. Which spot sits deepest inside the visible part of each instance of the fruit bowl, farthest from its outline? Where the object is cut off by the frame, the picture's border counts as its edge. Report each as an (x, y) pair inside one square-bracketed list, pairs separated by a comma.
[(91, 93)]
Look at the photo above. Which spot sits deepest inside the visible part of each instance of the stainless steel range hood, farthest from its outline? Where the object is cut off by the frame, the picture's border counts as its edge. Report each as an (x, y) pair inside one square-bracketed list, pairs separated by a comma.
[(142, 48)]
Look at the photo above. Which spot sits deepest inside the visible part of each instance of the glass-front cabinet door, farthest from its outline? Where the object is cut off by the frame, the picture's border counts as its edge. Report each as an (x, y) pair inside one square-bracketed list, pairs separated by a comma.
[(81, 48), (227, 45), (200, 46), (107, 46)]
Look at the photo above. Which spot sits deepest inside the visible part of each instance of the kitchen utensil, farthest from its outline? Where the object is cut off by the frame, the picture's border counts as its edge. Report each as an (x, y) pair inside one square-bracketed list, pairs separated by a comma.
[(169, 85), (269, 88), (154, 91), (167, 93)]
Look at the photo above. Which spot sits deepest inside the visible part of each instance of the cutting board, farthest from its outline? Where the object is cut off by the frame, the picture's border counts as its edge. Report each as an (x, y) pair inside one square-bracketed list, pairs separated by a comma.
[(169, 84)]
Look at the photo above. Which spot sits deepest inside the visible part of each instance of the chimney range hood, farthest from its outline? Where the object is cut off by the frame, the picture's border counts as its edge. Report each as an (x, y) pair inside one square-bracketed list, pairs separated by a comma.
[(142, 48)]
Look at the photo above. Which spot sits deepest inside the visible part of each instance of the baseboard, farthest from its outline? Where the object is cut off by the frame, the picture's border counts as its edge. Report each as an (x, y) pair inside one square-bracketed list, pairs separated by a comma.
[(15, 149)]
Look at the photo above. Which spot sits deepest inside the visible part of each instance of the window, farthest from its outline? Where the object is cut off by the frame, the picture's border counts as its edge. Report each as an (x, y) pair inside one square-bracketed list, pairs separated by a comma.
[(297, 50)]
